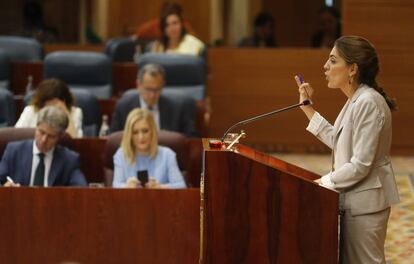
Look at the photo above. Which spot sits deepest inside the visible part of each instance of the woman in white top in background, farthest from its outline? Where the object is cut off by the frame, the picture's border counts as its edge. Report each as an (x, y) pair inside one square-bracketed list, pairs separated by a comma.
[(175, 38), (53, 92)]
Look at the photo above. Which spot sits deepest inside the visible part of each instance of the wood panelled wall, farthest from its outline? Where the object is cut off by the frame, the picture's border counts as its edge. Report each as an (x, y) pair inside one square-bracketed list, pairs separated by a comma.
[(296, 20), (125, 15), (248, 82), (389, 25), (59, 14)]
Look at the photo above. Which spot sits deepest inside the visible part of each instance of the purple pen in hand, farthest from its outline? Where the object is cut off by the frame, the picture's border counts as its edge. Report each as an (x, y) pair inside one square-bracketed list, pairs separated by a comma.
[(301, 82), (300, 78)]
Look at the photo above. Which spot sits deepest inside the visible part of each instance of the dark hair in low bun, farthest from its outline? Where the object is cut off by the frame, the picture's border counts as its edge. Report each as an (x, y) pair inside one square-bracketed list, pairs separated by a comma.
[(358, 50)]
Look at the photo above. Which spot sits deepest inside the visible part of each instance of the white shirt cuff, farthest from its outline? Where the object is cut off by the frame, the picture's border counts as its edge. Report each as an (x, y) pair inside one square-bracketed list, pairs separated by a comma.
[(326, 181), (315, 123)]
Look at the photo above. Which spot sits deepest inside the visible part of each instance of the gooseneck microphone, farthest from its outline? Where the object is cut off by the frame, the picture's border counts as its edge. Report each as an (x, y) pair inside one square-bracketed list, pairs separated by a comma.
[(249, 120)]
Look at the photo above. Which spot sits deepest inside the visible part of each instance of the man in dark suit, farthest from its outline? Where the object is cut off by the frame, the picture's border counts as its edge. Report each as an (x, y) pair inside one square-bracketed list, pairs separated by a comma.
[(42, 162), (174, 114)]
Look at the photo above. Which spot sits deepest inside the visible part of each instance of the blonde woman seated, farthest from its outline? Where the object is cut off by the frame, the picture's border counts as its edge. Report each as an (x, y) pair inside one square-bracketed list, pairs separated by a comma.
[(53, 92), (140, 151)]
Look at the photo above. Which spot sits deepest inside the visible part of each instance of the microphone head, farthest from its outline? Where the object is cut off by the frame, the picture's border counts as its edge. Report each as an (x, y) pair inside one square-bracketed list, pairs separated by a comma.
[(306, 102)]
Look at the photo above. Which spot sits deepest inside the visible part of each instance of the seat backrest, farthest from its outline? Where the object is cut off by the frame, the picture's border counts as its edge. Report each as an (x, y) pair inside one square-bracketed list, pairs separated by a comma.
[(4, 70), (10, 134), (91, 113), (185, 74), (175, 141), (20, 49), (90, 71), (7, 108), (121, 49), (89, 104)]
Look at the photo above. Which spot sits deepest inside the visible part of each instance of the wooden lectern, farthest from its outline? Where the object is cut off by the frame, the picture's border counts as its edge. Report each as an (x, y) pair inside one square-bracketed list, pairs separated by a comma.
[(258, 209)]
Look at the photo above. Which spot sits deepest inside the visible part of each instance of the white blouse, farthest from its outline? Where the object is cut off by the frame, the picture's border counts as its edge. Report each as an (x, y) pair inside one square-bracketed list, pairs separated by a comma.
[(189, 45), (28, 118)]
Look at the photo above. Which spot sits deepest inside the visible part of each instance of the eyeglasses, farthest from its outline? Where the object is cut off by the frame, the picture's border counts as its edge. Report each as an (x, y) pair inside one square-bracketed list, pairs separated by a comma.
[(152, 90)]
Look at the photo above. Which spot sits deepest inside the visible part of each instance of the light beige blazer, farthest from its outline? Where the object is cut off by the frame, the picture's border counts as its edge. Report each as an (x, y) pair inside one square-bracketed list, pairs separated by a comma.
[(361, 141)]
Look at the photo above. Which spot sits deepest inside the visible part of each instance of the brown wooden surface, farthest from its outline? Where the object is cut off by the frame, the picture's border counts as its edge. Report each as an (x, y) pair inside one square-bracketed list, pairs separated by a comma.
[(255, 81), (296, 20), (20, 73), (388, 24), (48, 48), (53, 225), (124, 77), (60, 15), (258, 213), (124, 16), (251, 82), (90, 150)]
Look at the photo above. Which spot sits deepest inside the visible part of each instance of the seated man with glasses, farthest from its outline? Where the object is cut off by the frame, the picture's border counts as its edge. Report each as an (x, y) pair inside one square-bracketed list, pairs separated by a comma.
[(173, 114)]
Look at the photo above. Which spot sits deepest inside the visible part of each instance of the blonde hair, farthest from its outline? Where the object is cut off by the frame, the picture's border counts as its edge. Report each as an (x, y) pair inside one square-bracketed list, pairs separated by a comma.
[(127, 144)]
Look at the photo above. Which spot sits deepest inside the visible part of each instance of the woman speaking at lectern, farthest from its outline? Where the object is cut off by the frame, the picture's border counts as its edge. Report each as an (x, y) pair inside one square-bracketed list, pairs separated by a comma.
[(360, 140)]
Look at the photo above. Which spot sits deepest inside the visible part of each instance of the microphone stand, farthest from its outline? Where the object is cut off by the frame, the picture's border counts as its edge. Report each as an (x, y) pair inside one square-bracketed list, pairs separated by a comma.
[(246, 121)]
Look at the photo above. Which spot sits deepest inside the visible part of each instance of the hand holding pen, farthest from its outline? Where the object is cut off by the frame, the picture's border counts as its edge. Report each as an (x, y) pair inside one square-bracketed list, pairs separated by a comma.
[(11, 183), (305, 90)]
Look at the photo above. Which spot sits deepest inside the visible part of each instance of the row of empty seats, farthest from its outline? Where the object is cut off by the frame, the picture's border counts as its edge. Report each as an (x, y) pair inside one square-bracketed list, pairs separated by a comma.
[(92, 71)]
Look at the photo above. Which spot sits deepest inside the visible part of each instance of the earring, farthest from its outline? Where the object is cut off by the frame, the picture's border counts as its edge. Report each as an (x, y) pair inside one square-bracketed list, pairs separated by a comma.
[(350, 80)]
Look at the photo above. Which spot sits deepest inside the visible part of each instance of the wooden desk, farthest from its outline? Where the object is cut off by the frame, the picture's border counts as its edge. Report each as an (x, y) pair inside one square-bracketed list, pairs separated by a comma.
[(52, 225), (259, 209)]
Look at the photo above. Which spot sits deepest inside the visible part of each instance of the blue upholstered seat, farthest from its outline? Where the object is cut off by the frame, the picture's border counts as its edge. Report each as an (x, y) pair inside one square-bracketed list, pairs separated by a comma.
[(7, 108), (90, 71), (185, 74), (4, 70), (20, 49), (121, 49)]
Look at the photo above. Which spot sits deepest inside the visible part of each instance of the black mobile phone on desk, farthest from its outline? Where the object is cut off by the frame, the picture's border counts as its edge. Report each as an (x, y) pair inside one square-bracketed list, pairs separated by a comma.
[(142, 176)]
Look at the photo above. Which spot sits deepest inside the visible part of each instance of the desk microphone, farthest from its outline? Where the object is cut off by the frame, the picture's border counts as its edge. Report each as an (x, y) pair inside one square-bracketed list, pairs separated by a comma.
[(246, 121)]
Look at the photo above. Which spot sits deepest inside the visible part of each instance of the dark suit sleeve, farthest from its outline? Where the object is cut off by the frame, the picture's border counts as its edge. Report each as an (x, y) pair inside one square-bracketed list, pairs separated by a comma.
[(116, 118), (76, 177), (124, 105), (4, 165), (187, 118)]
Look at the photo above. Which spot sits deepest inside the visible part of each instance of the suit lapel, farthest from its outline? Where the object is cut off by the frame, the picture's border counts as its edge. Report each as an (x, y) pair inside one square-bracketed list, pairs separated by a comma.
[(27, 158), (339, 121), (57, 163), (162, 106), (346, 111)]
